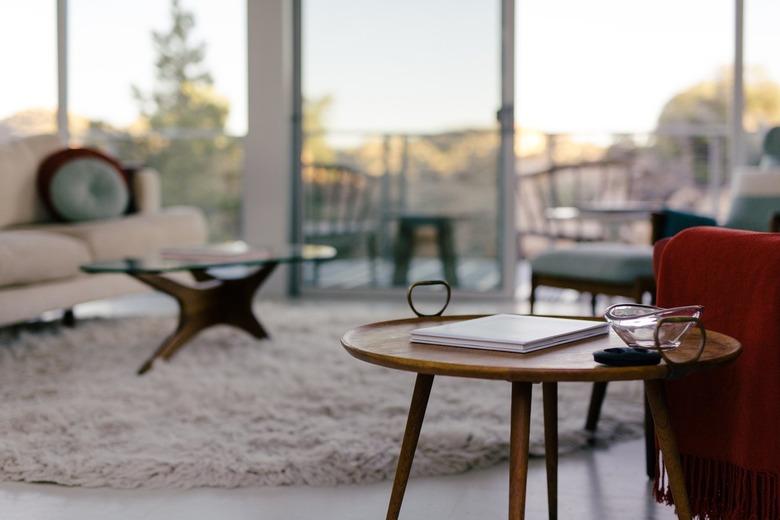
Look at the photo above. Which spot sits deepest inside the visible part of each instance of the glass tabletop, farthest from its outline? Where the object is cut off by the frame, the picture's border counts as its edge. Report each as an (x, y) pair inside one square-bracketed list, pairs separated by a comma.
[(213, 256)]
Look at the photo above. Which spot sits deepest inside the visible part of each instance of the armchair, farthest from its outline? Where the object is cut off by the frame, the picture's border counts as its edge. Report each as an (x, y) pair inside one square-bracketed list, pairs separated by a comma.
[(627, 270), (339, 211), (726, 419)]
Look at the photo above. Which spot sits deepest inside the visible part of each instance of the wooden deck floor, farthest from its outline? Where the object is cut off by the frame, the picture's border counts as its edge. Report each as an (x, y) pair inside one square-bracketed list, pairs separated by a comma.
[(476, 274)]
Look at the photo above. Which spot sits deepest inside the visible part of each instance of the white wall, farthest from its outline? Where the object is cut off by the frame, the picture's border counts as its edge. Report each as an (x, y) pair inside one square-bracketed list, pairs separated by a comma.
[(267, 150)]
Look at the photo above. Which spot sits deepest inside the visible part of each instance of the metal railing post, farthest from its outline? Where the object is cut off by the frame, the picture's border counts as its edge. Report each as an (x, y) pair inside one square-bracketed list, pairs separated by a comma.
[(384, 204), (403, 185), (714, 172)]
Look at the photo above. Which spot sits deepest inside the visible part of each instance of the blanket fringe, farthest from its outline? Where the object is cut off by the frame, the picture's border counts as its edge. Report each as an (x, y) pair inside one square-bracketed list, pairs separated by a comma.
[(723, 491)]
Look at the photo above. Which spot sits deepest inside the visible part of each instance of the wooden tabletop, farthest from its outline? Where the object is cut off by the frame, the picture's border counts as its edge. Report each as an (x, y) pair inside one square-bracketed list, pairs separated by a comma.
[(387, 344)]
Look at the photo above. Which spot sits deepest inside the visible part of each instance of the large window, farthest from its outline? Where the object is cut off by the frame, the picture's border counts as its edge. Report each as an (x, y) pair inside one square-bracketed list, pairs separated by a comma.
[(762, 73), (620, 103), (400, 155), (28, 39), (164, 84)]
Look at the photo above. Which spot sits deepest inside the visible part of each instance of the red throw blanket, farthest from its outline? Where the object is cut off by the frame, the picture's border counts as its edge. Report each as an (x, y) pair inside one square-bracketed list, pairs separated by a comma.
[(727, 420)]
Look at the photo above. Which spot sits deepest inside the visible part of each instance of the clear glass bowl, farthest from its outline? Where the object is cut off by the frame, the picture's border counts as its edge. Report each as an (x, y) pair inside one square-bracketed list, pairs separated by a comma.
[(636, 324)]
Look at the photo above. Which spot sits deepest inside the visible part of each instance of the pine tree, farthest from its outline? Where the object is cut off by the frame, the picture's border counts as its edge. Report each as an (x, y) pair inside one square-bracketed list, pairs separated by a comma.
[(186, 118)]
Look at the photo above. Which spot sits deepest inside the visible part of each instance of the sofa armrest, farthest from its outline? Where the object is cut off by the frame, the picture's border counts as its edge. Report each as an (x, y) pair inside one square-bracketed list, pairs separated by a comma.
[(146, 189), (669, 222)]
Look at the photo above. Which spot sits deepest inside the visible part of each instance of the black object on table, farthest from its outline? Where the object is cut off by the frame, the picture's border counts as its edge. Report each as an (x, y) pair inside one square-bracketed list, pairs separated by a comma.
[(627, 357)]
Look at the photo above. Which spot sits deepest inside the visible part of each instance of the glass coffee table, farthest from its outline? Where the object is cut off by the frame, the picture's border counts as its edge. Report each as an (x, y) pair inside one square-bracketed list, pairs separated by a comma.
[(211, 299)]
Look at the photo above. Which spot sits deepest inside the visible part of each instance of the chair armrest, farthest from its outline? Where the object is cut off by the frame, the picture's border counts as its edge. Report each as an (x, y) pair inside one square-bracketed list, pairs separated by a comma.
[(657, 221), (774, 222), (669, 222), (146, 190)]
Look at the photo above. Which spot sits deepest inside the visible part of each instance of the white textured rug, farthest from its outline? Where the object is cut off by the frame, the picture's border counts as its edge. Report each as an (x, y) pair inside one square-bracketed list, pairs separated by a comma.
[(231, 411)]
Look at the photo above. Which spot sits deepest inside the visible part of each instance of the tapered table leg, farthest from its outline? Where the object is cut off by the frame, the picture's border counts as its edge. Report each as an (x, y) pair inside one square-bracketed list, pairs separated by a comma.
[(550, 393), (518, 448), (422, 389), (594, 408), (666, 441)]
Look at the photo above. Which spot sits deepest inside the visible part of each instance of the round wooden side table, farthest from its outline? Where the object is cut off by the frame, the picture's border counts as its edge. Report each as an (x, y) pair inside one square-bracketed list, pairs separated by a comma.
[(387, 344)]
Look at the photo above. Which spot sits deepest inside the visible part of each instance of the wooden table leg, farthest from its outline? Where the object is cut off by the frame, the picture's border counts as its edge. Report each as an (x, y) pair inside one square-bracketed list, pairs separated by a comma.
[(550, 393), (663, 429), (422, 389), (594, 408), (518, 448), (210, 302)]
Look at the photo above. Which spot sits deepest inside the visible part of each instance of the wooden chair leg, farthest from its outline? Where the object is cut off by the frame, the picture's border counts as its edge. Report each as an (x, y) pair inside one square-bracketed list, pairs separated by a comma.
[(69, 318), (422, 390), (404, 249), (594, 408), (650, 461), (550, 398), (447, 254), (372, 254)]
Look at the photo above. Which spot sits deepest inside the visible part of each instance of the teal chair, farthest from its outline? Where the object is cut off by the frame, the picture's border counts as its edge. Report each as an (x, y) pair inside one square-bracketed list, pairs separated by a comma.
[(627, 270), (770, 156)]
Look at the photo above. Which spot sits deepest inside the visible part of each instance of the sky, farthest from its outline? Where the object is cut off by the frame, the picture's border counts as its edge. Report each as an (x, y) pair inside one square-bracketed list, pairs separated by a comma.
[(404, 65)]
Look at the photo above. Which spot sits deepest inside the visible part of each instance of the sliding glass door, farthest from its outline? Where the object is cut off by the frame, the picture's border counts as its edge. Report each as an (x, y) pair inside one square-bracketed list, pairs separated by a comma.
[(400, 160)]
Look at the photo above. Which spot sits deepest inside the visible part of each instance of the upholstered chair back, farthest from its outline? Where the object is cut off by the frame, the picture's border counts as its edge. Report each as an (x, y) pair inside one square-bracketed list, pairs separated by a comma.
[(770, 157), (755, 198)]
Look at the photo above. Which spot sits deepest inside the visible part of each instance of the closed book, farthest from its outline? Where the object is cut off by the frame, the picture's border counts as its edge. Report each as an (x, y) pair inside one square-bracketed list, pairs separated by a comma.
[(510, 332)]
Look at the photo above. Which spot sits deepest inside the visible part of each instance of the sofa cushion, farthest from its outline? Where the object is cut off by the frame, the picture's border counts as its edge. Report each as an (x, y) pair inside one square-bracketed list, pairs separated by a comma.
[(80, 184), (19, 201), (135, 235), (34, 256), (600, 262)]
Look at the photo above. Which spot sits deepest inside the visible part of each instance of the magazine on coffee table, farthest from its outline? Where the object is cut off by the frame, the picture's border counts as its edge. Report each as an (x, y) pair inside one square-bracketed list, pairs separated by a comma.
[(510, 332)]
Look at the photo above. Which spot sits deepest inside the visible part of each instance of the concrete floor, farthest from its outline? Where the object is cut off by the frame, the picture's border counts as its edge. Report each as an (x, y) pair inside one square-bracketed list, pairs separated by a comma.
[(602, 484), (597, 484)]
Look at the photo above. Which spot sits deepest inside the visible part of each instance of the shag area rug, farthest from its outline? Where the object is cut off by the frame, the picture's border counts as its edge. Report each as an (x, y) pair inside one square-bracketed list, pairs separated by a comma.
[(231, 411)]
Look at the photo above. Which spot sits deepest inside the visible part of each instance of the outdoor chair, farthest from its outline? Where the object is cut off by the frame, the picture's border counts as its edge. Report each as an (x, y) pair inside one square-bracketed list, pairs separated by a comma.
[(548, 198), (339, 211)]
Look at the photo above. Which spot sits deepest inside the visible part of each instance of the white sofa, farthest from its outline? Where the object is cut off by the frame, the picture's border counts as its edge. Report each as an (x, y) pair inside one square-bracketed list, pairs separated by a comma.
[(40, 259)]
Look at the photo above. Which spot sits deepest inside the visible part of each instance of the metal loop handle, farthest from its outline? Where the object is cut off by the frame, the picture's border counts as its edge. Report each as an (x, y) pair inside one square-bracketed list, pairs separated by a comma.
[(423, 283), (680, 319)]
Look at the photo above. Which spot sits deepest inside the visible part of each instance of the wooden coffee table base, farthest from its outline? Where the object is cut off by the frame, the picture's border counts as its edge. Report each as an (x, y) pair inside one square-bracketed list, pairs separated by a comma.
[(519, 440), (211, 301)]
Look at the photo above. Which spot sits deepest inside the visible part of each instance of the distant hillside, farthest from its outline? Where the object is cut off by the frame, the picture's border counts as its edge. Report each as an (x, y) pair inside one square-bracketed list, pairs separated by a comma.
[(35, 121)]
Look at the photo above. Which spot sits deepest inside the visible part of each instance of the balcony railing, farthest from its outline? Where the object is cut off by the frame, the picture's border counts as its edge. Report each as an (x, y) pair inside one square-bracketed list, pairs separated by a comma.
[(452, 173)]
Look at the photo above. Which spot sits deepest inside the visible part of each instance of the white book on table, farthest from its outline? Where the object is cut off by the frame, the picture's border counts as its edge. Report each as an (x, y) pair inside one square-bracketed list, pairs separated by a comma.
[(510, 332)]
